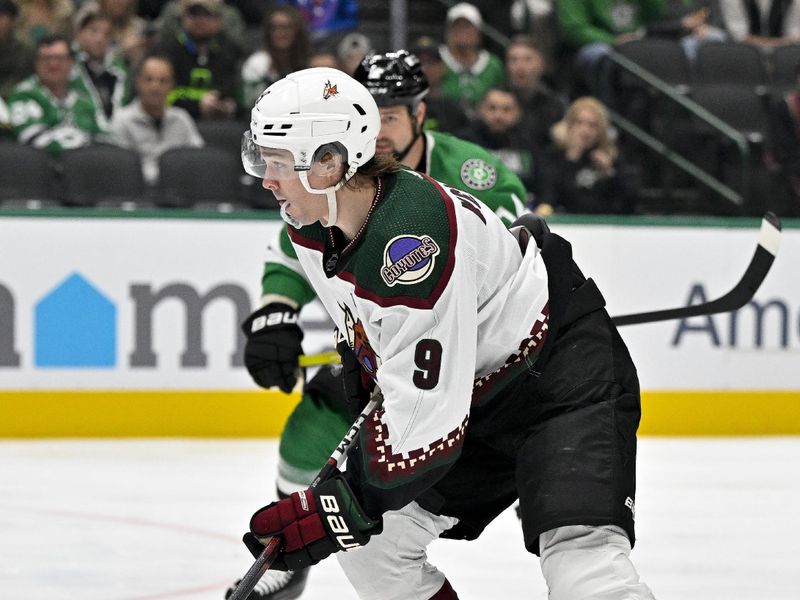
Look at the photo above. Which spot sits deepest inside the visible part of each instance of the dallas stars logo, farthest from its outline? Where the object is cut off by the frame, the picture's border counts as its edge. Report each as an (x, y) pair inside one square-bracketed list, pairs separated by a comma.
[(330, 90), (478, 174)]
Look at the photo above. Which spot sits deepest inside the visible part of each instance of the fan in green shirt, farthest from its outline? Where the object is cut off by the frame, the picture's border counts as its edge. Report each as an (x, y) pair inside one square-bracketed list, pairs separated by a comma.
[(471, 69), (52, 109)]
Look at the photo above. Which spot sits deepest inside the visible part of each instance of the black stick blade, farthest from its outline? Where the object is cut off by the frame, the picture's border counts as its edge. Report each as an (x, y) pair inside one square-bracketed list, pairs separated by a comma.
[(768, 242)]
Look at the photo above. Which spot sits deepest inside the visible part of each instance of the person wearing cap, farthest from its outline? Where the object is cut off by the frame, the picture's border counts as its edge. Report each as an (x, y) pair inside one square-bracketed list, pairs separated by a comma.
[(205, 60), (471, 69), (16, 53), (104, 73), (168, 23)]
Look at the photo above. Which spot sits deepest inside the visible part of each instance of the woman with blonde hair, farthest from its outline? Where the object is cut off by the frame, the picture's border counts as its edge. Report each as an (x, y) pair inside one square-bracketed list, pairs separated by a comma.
[(586, 172)]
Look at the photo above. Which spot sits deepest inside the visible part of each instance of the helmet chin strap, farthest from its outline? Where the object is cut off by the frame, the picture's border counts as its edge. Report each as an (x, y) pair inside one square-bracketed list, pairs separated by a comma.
[(332, 206), (399, 156), (330, 193)]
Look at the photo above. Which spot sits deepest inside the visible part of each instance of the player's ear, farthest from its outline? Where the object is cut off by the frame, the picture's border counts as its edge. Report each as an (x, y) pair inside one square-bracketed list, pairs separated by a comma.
[(422, 109)]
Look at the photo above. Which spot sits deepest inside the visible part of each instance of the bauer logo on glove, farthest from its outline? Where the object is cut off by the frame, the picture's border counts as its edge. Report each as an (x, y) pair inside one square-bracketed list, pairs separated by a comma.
[(313, 523), (274, 345), (271, 320)]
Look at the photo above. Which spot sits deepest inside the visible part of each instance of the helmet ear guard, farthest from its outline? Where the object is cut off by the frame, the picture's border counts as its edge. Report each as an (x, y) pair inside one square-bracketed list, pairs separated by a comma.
[(328, 159)]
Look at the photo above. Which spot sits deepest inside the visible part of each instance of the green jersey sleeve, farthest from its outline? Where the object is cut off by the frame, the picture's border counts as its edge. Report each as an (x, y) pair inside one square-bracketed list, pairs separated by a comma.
[(470, 168), (283, 274)]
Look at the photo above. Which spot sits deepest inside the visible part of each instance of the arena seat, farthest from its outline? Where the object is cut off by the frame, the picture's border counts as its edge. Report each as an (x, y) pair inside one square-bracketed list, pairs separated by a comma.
[(101, 174), (27, 177), (190, 177)]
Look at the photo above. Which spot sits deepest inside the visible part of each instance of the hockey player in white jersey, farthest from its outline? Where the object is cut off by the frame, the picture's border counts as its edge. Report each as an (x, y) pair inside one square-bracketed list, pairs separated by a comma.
[(502, 374)]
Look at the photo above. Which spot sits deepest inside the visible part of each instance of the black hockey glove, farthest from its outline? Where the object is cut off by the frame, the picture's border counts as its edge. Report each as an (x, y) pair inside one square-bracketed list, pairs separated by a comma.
[(273, 346), (358, 385), (535, 225), (313, 523)]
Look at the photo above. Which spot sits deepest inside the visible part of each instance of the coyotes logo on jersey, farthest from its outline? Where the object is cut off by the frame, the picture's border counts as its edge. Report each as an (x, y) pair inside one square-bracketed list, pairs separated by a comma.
[(357, 339)]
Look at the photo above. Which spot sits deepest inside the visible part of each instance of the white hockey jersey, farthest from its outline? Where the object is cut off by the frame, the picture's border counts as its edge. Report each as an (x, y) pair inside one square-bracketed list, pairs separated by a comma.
[(441, 306)]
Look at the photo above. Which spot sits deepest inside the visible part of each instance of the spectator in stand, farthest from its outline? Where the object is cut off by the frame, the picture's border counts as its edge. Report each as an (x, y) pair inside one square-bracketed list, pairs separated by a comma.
[(286, 49), (537, 19), (500, 129), (591, 27), (784, 140), (16, 53), (205, 61), (170, 22), (441, 113), (589, 176), (52, 109), (104, 74), (766, 23), (541, 107), (149, 124), (353, 48), (327, 18), (128, 30), (39, 18), (471, 70)]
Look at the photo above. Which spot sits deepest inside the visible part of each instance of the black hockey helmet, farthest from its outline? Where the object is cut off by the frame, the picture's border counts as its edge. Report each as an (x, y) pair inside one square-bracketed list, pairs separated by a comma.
[(393, 78)]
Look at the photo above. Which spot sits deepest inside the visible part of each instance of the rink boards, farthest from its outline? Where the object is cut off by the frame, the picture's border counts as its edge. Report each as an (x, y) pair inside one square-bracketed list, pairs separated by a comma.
[(128, 326)]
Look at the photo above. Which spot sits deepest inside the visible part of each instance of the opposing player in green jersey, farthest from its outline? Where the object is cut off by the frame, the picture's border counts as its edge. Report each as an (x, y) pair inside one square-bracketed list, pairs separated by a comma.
[(399, 86)]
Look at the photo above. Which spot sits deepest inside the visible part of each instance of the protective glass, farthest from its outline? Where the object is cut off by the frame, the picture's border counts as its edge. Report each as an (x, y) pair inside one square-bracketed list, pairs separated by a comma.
[(262, 162)]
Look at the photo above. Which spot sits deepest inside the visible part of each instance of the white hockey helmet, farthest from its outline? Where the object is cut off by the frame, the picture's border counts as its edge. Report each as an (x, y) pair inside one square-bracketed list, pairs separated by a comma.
[(308, 110)]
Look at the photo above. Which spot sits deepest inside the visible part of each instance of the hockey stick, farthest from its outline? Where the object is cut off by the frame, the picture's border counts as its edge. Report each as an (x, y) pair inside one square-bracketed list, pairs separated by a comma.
[(323, 358), (768, 241), (273, 547)]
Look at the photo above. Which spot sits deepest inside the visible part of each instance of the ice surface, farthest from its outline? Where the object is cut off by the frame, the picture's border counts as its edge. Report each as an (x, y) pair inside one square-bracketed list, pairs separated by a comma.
[(717, 519)]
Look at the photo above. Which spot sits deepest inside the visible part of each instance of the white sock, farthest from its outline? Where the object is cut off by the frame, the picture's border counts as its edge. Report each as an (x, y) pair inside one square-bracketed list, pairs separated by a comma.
[(582, 562)]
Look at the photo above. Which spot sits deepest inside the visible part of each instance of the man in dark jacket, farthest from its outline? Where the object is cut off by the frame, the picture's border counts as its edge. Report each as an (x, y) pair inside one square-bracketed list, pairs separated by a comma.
[(206, 62)]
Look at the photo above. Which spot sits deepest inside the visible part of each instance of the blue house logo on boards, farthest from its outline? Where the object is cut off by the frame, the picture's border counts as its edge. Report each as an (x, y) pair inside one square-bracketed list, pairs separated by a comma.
[(75, 326)]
